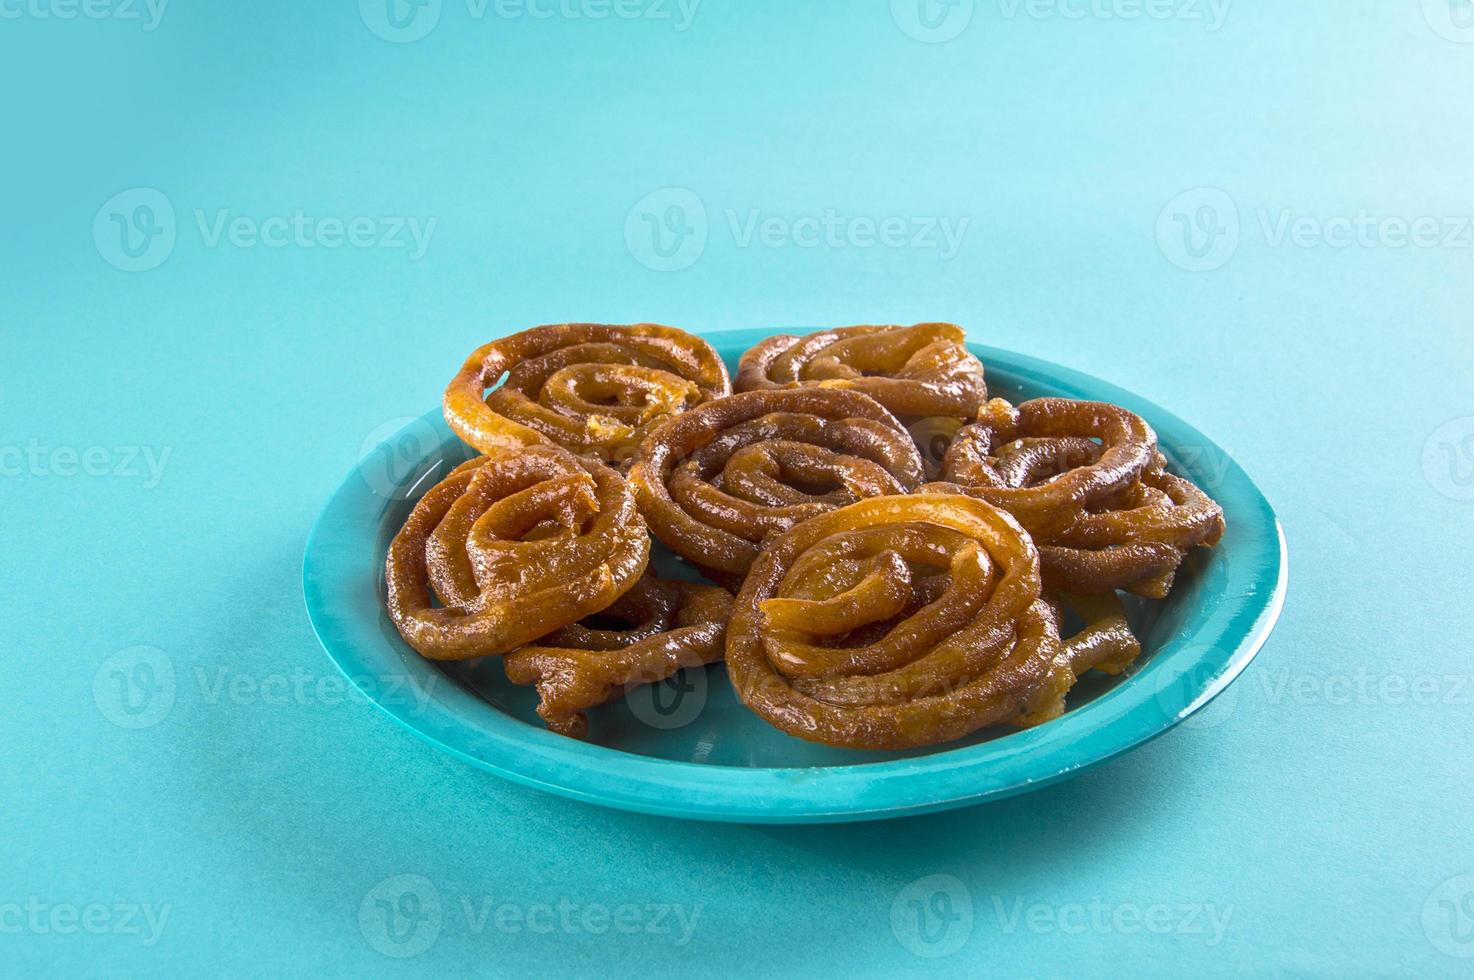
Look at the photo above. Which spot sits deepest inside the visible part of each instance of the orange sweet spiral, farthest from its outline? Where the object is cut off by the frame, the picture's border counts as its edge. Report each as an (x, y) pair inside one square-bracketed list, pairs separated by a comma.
[(513, 547), (588, 387), (915, 372), (895, 622)]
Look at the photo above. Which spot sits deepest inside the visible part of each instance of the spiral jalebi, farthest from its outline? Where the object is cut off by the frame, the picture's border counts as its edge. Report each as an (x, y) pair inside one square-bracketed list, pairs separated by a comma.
[(513, 547), (915, 372), (1086, 481), (588, 387), (895, 622), (874, 610), (718, 480)]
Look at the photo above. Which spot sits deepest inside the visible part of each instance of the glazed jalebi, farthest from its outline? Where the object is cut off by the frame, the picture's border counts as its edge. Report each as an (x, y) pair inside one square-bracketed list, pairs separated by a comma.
[(895, 622), (915, 372), (1086, 481), (874, 610), (513, 547), (716, 481), (588, 387), (661, 627), (1104, 643)]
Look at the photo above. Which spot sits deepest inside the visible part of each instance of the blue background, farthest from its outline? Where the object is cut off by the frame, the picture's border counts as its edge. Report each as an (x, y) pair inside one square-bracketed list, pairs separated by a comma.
[(1322, 804)]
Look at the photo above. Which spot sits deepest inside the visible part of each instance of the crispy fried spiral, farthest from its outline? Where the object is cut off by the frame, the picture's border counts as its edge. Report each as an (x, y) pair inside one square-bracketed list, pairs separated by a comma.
[(588, 387), (895, 622), (1085, 479), (915, 372), (717, 480), (514, 546), (668, 626)]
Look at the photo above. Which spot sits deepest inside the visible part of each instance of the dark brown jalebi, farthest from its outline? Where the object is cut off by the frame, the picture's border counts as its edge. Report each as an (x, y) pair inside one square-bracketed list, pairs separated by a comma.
[(915, 372), (717, 480), (514, 546), (1086, 481), (588, 387), (667, 626), (895, 622)]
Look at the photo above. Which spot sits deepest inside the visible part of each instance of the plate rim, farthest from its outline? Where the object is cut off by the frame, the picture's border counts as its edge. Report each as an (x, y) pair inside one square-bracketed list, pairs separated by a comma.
[(945, 779)]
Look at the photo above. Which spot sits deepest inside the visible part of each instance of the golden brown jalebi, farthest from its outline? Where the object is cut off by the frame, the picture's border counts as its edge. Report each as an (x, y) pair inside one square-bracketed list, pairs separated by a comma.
[(513, 546), (875, 610), (717, 480), (588, 387), (895, 622), (666, 626), (915, 372), (1104, 643), (1086, 481)]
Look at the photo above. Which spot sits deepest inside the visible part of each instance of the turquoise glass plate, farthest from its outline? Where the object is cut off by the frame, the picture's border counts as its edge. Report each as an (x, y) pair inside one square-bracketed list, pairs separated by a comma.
[(688, 748)]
